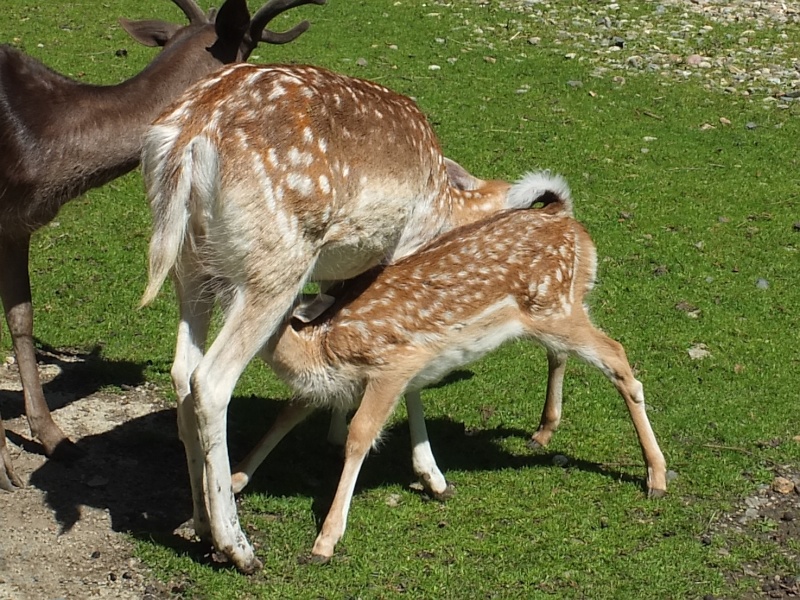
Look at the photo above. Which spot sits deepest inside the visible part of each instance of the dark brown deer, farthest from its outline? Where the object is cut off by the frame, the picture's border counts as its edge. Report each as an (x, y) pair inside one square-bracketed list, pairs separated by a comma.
[(61, 138)]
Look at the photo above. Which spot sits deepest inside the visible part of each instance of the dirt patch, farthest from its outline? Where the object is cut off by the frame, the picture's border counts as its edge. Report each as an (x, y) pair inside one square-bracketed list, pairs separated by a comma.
[(61, 537), (771, 515)]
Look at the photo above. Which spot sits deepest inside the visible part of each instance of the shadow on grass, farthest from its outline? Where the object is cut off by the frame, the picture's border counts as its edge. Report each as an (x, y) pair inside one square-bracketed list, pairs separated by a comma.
[(137, 471)]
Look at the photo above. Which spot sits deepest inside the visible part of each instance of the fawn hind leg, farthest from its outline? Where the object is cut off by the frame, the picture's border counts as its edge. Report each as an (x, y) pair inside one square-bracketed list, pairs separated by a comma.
[(608, 355), (551, 413)]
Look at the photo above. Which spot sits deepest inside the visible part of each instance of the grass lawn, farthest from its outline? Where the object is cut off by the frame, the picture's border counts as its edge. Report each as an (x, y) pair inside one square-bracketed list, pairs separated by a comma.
[(696, 223)]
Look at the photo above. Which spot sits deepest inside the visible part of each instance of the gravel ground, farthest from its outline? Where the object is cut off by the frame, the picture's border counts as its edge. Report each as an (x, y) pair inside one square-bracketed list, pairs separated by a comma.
[(743, 47)]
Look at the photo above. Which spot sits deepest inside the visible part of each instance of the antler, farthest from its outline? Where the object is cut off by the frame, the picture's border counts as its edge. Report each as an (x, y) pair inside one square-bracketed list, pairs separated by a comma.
[(192, 11), (271, 10)]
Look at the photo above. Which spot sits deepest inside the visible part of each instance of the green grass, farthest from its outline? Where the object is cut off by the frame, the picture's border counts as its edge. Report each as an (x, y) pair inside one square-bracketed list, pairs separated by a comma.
[(699, 218)]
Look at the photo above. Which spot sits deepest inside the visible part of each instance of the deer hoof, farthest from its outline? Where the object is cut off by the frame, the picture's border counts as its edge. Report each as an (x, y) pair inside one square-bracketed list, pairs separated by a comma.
[(656, 493), (445, 495)]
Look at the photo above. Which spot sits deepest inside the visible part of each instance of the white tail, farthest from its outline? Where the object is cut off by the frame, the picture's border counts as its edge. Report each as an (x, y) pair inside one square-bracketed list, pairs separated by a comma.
[(519, 274), (260, 178)]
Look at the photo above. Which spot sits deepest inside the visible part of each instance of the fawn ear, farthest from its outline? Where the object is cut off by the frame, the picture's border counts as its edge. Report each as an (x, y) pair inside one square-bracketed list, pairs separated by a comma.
[(460, 178), (310, 308)]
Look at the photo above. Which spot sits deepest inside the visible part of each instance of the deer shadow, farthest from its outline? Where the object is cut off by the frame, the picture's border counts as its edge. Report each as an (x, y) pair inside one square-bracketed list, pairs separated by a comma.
[(80, 374), (137, 471)]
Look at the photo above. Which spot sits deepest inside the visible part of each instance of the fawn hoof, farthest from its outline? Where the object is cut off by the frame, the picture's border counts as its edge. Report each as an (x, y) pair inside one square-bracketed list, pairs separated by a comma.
[(656, 493), (239, 481), (318, 559)]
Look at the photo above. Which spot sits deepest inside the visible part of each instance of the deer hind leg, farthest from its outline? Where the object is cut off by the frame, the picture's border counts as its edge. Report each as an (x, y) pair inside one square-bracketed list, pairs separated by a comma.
[(15, 291), (195, 304), (8, 479), (551, 413), (425, 467), (254, 314), (376, 407), (609, 356), (293, 414)]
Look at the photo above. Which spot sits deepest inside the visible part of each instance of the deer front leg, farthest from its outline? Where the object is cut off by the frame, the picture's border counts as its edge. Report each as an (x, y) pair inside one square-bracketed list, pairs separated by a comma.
[(551, 413), (376, 407), (15, 292), (422, 458)]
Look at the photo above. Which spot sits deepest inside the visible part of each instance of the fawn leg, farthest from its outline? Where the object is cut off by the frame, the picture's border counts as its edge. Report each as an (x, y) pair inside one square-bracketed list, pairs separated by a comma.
[(376, 407), (425, 466), (551, 413), (294, 413)]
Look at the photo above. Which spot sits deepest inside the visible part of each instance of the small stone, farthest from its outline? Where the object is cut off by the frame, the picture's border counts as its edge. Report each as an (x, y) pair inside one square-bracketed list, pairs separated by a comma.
[(362, 62), (694, 59), (783, 485), (751, 125), (570, 55), (796, 227), (490, 59), (534, 41), (698, 351), (724, 121), (660, 270), (762, 284), (706, 127), (575, 84), (560, 460), (434, 68), (439, 40), (392, 46), (393, 500), (788, 516), (635, 61)]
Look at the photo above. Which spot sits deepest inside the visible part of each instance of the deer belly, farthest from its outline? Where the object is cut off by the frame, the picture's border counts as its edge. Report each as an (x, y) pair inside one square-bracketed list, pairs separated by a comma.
[(466, 343)]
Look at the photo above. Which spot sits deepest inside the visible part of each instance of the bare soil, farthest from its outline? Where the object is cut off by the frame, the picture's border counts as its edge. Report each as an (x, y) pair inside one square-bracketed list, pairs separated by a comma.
[(68, 533)]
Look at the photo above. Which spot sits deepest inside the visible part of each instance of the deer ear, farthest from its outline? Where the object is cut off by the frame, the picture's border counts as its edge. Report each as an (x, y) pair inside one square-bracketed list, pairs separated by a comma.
[(309, 309), (150, 32), (459, 177), (232, 21)]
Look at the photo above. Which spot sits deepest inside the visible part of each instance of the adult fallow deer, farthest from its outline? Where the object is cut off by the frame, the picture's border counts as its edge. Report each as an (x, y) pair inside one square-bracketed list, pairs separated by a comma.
[(60, 138)]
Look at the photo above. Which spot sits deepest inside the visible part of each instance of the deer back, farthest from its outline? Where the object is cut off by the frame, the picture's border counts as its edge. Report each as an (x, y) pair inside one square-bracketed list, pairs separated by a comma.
[(297, 157)]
